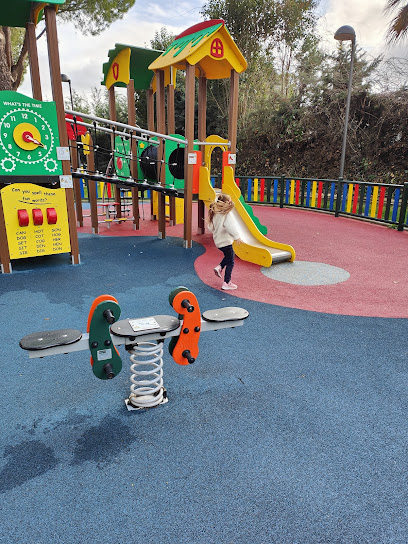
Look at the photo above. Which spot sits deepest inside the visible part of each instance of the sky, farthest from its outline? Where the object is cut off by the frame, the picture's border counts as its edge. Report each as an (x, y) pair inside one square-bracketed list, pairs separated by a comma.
[(82, 56)]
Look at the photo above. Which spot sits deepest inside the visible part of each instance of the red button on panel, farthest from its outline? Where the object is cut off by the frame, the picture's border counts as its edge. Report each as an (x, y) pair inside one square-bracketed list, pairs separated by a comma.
[(51, 216), (23, 218), (38, 216)]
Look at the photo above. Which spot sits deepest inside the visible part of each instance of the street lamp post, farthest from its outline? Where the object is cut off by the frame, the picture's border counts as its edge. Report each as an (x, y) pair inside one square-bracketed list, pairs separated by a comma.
[(346, 33), (65, 79)]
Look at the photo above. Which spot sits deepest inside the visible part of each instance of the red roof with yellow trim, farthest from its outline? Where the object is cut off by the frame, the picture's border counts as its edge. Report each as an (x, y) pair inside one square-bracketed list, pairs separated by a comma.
[(207, 45)]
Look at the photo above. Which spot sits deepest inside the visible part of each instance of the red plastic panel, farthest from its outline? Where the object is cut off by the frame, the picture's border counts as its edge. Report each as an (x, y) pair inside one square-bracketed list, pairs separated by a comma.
[(23, 218), (51, 216), (38, 216)]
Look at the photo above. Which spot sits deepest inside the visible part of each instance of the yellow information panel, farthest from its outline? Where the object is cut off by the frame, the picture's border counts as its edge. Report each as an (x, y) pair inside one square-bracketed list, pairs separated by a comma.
[(36, 220)]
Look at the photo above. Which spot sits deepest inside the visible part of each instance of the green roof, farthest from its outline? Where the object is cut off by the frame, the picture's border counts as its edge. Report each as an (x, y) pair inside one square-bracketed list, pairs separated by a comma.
[(140, 59), (16, 13)]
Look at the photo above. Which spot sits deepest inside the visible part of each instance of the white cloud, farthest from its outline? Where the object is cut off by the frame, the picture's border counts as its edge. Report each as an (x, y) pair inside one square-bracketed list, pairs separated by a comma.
[(82, 56), (369, 21)]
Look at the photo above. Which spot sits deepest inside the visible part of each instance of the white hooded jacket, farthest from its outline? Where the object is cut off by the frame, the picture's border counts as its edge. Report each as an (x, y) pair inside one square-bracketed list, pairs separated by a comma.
[(224, 229)]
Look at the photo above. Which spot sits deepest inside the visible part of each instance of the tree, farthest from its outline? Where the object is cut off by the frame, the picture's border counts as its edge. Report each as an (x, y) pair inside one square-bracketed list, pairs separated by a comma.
[(398, 27), (91, 16), (162, 39)]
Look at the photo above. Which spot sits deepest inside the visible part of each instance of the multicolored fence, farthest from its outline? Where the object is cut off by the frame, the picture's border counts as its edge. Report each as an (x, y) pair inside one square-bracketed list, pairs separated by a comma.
[(103, 190), (374, 201)]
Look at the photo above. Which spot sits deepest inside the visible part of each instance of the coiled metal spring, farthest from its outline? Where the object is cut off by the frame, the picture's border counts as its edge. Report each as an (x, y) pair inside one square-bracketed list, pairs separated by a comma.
[(146, 376)]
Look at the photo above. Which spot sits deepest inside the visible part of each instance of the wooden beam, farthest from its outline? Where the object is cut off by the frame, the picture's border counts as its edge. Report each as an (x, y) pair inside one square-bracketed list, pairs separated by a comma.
[(161, 171), (77, 186), (55, 73), (33, 61), (202, 135), (4, 249), (150, 126), (112, 117), (233, 111), (171, 119), (188, 168), (171, 128), (90, 161), (133, 149)]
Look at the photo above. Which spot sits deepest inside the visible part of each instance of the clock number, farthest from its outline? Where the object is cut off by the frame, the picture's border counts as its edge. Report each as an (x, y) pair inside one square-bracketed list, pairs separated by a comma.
[(24, 116), (40, 153), (6, 125), (12, 118), (46, 136), (18, 153), (10, 146), (5, 134), (43, 127)]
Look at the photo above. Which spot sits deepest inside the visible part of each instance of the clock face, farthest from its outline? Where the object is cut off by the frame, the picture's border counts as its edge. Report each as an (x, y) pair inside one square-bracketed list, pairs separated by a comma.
[(28, 137)]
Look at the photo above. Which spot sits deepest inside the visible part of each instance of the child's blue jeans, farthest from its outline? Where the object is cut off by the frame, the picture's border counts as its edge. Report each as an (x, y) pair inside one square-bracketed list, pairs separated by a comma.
[(227, 262)]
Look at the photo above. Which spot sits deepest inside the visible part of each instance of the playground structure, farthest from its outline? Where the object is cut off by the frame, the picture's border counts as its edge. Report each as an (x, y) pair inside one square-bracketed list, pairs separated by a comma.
[(34, 151), (169, 165), (174, 167), (143, 339)]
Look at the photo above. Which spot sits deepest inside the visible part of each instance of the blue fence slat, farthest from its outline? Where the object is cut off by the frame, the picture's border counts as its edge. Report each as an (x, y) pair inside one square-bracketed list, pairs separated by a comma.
[(332, 193), (367, 203), (308, 194), (344, 197), (249, 190), (81, 187), (287, 192), (396, 204), (212, 180), (275, 190)]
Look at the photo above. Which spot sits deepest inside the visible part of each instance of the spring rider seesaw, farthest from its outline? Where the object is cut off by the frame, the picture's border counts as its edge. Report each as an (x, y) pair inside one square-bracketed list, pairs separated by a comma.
[(143, 338)]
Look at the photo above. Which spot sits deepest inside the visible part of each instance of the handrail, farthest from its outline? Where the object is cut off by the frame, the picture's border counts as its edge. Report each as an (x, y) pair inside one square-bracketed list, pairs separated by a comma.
[(124, 125)]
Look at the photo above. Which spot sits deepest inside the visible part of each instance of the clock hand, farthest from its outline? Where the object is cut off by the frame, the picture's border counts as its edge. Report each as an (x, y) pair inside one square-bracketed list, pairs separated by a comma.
[(27, 137)]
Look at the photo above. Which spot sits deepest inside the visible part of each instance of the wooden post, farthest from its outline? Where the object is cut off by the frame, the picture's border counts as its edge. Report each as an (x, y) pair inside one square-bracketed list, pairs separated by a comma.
[(188, 168), (171, 128), (171, 119), (112, 117), (33, 60), (133, 149), (161, 128), (233, 113), (150, 126), (55, 73), (4, 249), (202, 134), (77, 188), (90, 161)]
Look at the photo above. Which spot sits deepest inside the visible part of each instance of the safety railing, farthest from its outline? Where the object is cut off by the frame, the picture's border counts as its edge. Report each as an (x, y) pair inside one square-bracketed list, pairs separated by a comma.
[(384, 203)]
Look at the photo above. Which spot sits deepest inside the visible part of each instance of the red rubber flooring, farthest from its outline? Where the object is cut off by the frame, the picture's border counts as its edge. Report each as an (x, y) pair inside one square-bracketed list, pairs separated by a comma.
[(375, 256)]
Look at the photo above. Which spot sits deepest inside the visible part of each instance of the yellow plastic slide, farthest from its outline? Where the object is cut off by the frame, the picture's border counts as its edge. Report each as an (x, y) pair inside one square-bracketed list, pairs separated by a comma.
[(256, 248)]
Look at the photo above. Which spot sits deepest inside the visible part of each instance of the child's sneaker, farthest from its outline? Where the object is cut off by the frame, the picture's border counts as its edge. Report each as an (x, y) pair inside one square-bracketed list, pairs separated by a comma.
[(217, 271), (227, 286)]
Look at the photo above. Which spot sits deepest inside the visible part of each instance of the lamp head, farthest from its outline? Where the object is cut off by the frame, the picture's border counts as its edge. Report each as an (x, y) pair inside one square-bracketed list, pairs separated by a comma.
[(345, 33), (65, 78)]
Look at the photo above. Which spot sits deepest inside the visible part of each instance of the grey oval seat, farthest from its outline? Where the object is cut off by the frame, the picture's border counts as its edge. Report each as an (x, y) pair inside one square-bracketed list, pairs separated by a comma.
[(230, 313), (137, 327), (49, 339)]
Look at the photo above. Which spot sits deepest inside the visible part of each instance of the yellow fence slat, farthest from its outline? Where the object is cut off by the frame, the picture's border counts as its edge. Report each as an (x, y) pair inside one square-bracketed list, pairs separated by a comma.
[(374, 202), (349, 197)]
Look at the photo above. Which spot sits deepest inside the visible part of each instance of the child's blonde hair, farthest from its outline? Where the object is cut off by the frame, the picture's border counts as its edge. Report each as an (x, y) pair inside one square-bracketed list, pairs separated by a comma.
[(222, 204)]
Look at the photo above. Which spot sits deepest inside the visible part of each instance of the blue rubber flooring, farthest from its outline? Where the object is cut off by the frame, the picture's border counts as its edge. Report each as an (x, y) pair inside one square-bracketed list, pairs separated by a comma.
[(291, 429)]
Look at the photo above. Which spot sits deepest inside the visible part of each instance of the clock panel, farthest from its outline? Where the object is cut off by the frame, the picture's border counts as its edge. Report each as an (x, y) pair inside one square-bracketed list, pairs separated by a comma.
[(28, 136)]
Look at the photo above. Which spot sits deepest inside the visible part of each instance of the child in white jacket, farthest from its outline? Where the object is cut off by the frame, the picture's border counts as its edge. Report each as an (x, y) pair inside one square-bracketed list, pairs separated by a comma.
[(222, 225)]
